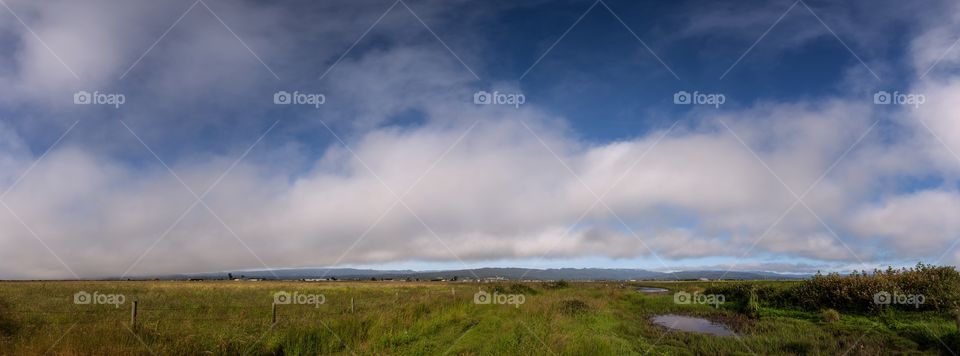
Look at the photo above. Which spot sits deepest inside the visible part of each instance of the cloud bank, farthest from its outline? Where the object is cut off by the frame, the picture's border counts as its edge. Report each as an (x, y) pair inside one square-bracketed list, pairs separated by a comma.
[(402, 166)]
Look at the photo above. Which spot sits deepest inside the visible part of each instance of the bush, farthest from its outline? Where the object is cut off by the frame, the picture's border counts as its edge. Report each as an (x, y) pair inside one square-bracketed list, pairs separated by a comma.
[(515, 288), (939, 286), (561, 284), (767, 294), (751, 305), (830, 316), (574, 307)]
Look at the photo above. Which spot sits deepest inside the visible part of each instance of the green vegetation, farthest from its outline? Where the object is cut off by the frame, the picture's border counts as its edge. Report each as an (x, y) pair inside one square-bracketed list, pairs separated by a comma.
[(434, 318), (830, 316)]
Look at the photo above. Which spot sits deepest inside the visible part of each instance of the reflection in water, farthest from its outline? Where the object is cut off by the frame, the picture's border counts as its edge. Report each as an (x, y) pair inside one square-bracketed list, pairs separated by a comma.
[(652, 290), (691, 324)]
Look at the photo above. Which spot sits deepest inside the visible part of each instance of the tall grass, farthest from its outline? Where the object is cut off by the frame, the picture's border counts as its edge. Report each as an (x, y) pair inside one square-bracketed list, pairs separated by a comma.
[(938, 286), (412, 318)]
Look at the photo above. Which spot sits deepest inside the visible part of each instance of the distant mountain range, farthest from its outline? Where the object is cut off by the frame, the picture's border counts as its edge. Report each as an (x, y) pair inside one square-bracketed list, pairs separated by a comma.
[(570, 274)]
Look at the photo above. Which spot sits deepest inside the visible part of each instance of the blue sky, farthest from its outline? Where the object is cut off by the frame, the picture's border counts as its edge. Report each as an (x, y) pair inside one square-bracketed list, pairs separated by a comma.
[(798, 169)]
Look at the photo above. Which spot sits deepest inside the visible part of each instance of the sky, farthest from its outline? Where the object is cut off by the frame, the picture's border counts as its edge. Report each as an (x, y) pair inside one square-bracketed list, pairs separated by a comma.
[(141, 137)]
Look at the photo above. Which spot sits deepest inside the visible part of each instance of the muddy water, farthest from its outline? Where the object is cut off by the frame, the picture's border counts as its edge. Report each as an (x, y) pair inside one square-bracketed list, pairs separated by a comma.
[(692, 324)]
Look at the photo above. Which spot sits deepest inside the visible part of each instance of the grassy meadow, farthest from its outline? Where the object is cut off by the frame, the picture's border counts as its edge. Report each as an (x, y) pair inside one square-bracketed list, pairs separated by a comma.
[(437, 318)]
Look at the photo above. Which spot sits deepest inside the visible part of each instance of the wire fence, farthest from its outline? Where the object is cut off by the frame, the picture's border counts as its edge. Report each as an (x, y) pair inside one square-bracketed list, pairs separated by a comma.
[(153, 311)]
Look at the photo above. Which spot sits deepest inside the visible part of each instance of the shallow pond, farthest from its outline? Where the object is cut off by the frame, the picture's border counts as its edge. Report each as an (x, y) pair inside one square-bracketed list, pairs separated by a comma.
[(652, 290), (691, 324)]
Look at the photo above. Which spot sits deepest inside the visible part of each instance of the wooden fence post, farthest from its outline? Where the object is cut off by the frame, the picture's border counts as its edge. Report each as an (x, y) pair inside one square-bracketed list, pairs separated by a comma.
[(273, 319), (351, 305), (133, 314), (956, 317)]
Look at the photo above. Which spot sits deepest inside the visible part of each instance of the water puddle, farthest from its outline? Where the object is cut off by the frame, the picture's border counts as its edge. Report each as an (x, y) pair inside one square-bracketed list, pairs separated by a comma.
[(652, 290), (691, 324)]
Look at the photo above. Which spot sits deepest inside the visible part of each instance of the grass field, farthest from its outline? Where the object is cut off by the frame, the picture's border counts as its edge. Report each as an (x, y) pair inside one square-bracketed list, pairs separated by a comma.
[(430, 318)]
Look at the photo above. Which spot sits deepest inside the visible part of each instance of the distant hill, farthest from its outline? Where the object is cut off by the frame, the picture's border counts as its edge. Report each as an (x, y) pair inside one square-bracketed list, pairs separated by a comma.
[(571, 274)]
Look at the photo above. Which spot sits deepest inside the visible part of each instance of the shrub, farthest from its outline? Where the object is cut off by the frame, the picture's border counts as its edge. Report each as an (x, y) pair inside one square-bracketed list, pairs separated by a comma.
[(765, 294), (518, 288), (830, 315), (574, 307), (561, 284), (751, 305), (939, 286)]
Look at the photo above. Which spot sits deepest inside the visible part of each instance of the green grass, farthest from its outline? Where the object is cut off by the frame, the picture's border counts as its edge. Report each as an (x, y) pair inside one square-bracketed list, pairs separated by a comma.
[(397, 318)]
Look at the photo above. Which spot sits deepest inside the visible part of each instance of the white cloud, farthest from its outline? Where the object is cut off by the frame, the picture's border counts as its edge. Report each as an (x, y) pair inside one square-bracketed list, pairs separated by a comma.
[(497, 194)]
